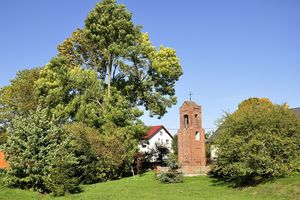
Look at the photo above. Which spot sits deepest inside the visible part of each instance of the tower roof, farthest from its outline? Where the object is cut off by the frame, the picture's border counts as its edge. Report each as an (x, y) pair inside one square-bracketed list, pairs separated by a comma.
[(190, 104)]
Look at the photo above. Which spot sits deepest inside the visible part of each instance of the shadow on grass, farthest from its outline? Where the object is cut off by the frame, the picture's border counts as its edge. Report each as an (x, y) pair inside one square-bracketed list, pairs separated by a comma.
[(242, 182), (219, 182)]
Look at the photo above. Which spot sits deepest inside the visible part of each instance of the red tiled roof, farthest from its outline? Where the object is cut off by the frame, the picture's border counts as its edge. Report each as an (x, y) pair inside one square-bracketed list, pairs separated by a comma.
[(153, 131)]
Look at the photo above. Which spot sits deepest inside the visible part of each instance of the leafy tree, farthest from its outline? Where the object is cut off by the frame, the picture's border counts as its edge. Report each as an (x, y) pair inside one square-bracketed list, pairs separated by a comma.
[(94, 87), (34, 146), (123, 56), (257, 142), (19, 97), (76, 95)]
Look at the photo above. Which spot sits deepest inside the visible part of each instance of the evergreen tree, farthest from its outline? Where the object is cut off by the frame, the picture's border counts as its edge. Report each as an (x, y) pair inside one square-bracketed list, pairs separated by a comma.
[(34, 149)]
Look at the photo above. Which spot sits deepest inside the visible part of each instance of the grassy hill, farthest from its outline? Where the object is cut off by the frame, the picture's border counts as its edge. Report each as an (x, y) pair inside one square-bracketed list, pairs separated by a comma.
[(146, 187)]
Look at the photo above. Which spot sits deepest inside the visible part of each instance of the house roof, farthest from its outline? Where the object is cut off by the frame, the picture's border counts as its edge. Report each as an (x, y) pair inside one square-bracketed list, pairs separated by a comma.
[(155, 129), (213, 137), (296, 111)]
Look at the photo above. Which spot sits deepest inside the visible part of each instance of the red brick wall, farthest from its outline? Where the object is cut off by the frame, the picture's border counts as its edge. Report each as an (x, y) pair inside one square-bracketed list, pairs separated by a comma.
[(191, 152), (3, 163)]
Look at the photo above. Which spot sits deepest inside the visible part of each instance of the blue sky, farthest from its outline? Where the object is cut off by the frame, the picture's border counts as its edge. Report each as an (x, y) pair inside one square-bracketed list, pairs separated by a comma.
[(229, 50)]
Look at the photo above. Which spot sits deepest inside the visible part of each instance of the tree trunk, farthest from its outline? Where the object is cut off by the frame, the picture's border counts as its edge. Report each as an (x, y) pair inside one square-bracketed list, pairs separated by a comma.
[(109, 67), (108, 80)]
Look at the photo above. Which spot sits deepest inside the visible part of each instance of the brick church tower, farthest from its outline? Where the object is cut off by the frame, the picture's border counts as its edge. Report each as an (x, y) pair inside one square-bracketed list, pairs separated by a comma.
[(191, 139)]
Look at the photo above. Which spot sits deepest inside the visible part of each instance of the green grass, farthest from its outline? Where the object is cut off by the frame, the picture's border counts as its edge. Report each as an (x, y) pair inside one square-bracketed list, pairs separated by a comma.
[(146, 187)]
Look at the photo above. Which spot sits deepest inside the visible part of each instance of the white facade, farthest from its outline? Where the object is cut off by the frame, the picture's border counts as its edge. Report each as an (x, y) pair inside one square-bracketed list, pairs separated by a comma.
[(160, 137), (213, 152)]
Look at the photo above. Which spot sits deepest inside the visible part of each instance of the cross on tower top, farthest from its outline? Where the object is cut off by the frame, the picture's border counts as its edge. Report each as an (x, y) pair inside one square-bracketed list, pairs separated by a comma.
[(190, 94)]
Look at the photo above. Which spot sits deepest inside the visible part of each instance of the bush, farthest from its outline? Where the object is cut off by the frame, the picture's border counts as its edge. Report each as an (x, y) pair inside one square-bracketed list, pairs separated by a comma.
[(259, 141), (172, 175), (82, 135), (61, 176), (40, 155)]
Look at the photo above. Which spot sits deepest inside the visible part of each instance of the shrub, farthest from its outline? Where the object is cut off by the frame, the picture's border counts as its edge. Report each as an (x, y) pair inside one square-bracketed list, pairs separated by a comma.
[(172, 175), (82, 135), (259, 141), (61, 176)]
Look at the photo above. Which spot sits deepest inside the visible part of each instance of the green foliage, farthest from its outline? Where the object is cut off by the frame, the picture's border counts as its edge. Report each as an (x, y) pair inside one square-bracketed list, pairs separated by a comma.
[(3, 137), (158, 154), (82, 138), (93, 90), (35, 144), (172, 175), (111, 45), (175, 144), (257, 142), (208, 152), (62, 174), (115, 148), (19, 97)]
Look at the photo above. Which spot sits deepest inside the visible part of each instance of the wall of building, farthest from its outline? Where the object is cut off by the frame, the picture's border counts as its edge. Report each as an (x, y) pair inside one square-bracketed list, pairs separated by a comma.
[(191, 139), (162, 137), (3, 163)]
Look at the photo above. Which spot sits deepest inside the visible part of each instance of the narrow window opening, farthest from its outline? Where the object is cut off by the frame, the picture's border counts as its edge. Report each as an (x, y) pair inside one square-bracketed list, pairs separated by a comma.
[(186, 121), (197, 136)]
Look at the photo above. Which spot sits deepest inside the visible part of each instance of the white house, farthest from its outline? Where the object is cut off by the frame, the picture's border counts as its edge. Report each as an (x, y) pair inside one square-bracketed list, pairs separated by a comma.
[(157, 134)]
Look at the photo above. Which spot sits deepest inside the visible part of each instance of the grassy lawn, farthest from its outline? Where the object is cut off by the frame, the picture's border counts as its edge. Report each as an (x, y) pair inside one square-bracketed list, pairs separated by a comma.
[(146, 187)]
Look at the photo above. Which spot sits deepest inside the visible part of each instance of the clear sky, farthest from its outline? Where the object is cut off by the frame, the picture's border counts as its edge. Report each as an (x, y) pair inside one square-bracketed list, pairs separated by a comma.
[(229, 50)]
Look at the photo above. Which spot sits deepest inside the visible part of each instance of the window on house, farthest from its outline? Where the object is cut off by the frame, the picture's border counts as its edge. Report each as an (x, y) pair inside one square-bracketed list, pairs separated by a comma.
[(167, 141), (144, 143), (160, 133), (186, 121), (197, 136)]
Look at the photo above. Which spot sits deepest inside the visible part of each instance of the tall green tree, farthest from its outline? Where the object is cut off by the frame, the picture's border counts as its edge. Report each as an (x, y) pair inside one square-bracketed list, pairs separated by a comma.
[(259, 141), (77, 95), (124, 58)]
